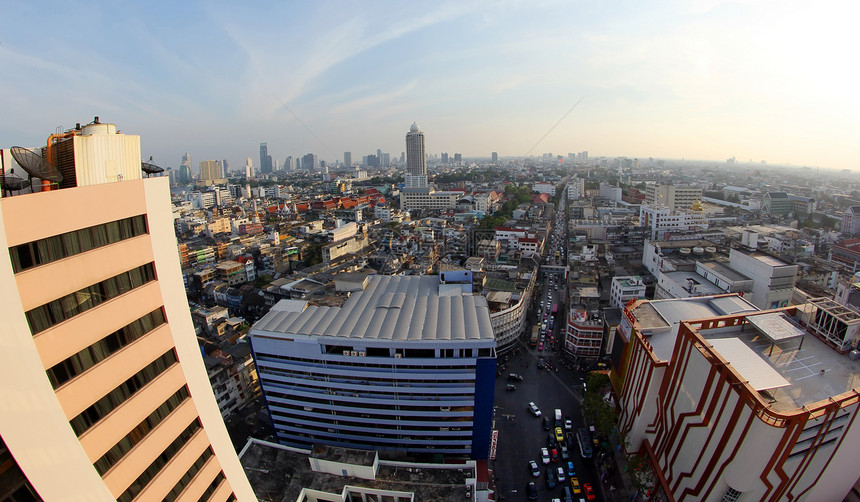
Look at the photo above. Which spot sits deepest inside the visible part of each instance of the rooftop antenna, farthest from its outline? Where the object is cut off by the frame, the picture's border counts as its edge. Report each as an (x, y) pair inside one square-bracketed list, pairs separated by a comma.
[(150, 168), (36, 167)]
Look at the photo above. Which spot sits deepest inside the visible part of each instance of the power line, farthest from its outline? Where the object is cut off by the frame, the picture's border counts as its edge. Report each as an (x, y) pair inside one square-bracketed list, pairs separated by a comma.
[(554, 126), (302, 122)]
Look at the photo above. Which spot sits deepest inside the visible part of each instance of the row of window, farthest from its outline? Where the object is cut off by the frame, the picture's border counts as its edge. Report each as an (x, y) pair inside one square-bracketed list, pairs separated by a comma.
[(378, 430), (137, 434), (374, 392), (430, 407), (212, 487), (121, 393), (61, 309), (405, 368), (188, 476), (61, 246), (364, 380), (146, 476), (74, 365)]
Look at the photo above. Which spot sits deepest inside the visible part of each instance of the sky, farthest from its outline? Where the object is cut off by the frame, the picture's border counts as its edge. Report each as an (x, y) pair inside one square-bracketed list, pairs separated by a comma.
[(696, 79)]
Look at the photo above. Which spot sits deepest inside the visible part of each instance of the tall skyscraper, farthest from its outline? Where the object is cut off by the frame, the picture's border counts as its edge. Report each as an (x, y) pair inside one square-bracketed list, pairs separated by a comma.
[(495, 157), (310, 162), (105, 395), (185, 172), (265, 159), (415, 158), (290, 164), (347, 159), (249, 168)]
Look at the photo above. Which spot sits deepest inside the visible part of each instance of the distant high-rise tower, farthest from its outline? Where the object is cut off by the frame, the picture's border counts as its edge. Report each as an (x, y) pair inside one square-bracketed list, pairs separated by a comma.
[(210, 170), (185, 172), (310, 162), (265, 159), (105, 393), (225, 168), (249, 168), (415, 159), (495, 157), (347, 159)]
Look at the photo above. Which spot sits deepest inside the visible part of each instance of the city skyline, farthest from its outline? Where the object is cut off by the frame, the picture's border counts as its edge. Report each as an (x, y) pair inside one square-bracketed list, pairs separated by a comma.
[(696, 80)]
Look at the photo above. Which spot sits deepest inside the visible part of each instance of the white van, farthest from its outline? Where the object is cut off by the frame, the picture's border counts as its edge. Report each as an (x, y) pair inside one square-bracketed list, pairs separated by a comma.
[(558, 421)]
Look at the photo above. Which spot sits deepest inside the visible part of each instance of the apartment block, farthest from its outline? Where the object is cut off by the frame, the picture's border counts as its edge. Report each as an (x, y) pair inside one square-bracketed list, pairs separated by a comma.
[(106, 397)]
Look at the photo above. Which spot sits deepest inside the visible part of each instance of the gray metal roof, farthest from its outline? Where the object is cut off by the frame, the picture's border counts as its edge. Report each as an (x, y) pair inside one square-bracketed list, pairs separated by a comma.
[(390, 308)]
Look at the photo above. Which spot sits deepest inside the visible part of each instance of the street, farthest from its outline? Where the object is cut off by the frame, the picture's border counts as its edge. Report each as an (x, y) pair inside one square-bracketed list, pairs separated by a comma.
[(521, 435)]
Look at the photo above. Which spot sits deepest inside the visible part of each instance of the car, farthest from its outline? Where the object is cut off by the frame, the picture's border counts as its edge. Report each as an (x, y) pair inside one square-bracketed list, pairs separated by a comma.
[(510, 387), (544, 455), (568, 424), (550, 478), (534, 409), (514, 377), (568, 496), (559, 435), (589, 492), (550, 439), (565, 453), (553, 455), (532, 489), (534, 468), (540, 346), (571, 472), (574, 483), (559, 473), (546, 425)]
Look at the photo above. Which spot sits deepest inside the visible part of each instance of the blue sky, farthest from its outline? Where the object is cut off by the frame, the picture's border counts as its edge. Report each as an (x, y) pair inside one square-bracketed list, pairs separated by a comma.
[(702, 79)]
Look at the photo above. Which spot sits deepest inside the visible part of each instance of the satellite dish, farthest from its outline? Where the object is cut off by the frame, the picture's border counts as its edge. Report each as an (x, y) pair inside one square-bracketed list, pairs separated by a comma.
[(13, 183), (35, 165), (150, 168)]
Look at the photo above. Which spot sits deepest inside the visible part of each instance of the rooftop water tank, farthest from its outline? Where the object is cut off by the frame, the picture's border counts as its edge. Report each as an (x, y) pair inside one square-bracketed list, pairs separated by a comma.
[(684, 251), (698, 250)]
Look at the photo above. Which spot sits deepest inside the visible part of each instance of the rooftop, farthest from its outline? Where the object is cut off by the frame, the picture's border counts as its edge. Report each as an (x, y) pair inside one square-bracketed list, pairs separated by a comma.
[(725, 271), (702, 286), (811, 369), (278, 474), (404, 308), (788, 367)]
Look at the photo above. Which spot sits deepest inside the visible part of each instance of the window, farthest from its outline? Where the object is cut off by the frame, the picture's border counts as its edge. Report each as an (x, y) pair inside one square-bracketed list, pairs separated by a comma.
[(61, 309), (731, 495), (61, 246), (120, 394), (95, 353), (137, 434), (138, 484)]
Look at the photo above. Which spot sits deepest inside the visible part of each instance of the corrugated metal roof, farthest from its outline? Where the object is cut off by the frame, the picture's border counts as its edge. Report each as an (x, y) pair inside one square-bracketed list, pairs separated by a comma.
[(390, 308), (728, 305), (757, 371)]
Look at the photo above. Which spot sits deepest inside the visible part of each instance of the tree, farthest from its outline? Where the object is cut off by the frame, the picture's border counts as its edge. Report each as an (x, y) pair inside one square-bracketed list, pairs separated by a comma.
[(599, 412)]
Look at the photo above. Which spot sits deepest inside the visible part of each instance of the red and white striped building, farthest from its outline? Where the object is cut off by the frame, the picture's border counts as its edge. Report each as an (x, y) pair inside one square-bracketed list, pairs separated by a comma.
[(732, 403)]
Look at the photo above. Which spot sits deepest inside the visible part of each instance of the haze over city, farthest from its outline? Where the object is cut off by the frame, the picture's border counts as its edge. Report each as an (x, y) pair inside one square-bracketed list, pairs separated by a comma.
[(704, 80)]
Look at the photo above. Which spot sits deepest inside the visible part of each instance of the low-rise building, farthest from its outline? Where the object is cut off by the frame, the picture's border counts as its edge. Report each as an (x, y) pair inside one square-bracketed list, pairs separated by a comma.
[(624, 289)]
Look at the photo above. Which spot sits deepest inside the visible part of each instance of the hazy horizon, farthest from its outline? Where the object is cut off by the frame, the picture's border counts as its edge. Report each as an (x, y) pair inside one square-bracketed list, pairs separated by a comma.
[(705, 79)]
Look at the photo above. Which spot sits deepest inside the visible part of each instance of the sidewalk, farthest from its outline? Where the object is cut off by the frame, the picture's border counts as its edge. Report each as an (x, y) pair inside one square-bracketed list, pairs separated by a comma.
[(616, 483)]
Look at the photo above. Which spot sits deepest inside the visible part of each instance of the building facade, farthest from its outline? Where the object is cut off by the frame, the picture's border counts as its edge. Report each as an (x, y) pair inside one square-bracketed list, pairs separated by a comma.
[(733, 406), (624, 289), (415, 153), (398, 367), (673, 197), (108, 391)]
